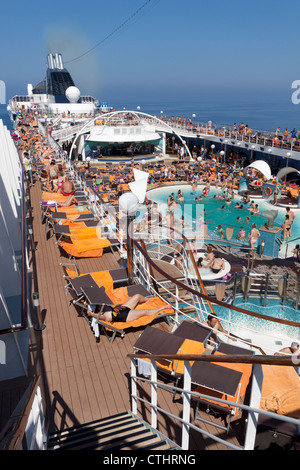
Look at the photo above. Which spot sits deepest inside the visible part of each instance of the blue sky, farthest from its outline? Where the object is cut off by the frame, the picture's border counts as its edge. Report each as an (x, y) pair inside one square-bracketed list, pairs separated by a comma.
[(173, 49)]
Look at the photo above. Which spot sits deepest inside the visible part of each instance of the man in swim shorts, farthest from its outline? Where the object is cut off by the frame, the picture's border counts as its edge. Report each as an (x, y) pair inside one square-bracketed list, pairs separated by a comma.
[(67, 187)]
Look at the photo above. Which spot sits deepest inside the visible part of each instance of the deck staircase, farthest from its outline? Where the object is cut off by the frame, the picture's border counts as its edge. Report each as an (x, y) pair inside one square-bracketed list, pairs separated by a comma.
[(258, 286), (123, 431)]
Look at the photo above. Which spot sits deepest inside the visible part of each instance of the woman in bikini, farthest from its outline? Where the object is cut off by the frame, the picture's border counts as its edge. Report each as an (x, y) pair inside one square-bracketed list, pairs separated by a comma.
[(253, 236), (286, 228), (126, 312)]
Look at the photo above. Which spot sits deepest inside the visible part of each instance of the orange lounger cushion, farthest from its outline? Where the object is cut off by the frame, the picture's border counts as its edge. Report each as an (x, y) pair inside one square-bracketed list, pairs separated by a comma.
[(280, 390), (72, 250), (85, 232), (89, 244), (189, 346), (58, 197), (103, 278), (294, 192)]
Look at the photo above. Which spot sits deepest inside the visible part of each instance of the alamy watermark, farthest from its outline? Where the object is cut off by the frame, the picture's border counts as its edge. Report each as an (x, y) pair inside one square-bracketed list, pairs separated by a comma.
[(296, 93), (2, 92)]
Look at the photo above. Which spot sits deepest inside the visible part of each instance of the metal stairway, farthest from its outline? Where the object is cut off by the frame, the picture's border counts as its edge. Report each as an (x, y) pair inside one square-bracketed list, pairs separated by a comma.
[(123, 431)]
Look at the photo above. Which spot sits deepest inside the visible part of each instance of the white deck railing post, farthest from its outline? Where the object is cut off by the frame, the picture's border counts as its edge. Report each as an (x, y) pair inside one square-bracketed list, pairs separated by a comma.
[(186, 405), (153, 394), (133, 387), (254, 403)]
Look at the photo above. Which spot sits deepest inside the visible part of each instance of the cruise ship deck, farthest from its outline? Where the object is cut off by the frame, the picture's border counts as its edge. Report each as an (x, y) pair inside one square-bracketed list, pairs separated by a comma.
[(83, 380)]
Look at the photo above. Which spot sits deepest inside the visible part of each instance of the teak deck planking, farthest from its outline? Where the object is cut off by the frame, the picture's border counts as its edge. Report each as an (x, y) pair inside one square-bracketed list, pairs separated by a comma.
[(82, 380)]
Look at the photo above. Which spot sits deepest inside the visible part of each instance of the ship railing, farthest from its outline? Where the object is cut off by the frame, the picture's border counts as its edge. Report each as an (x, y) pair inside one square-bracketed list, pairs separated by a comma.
[(142, 258), (252, 411), (102, 210), (24, 250), (227, 135), (288, 245), (25, 429), (70, 130), (145, 266), (165, 289), (283, 287)]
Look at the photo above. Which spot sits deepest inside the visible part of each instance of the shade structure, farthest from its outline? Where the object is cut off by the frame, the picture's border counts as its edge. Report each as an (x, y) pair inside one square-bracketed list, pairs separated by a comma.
[(261, 166), (139, 186), (285, 171)]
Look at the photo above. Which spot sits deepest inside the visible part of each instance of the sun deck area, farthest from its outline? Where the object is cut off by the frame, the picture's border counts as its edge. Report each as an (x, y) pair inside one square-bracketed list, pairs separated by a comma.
[(84, 378)]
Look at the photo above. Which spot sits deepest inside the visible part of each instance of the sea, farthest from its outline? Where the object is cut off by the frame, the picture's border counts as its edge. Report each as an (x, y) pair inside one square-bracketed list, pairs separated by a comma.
[(257, 115), (260, 115)]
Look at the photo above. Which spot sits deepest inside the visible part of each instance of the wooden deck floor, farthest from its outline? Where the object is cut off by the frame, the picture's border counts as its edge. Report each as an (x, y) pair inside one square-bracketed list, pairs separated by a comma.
[(83, 380)]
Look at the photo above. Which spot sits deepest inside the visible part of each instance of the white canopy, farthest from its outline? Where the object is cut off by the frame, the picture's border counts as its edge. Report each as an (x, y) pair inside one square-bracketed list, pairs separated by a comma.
[(261, 166), (139, 186), (285, 171)]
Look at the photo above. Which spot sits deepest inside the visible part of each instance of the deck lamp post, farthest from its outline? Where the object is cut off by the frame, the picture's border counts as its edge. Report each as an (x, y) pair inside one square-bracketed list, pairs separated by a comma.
[(222, 153), (212, 149), (288, 155), (128, 204), (88, 159)]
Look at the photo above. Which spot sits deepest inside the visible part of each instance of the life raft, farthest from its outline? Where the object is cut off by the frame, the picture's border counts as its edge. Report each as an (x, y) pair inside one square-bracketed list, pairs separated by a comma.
[(268, 191)]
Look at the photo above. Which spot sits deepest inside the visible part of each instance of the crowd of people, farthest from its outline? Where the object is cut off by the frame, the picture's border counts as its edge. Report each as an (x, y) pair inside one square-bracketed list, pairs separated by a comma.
[(206, 170), (278, 138)]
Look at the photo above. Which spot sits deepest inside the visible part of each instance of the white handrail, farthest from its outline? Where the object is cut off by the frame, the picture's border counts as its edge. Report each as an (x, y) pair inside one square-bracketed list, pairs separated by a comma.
[(253, 411)]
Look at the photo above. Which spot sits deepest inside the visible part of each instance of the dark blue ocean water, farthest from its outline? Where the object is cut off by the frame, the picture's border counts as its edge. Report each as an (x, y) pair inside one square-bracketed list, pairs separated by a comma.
[(265, 116), (260, 115)]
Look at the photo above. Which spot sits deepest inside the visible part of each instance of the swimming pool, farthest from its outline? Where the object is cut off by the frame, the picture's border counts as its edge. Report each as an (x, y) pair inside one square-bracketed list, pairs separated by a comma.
[(273, 309), (217, 212)]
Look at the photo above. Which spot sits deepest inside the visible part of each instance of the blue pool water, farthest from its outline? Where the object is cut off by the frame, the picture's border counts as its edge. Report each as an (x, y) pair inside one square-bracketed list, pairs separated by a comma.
[(273, 309), (214, 214)]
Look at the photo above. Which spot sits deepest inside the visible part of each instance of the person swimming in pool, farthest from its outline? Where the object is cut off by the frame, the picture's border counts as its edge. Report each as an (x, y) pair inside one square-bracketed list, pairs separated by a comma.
[(127, 312)]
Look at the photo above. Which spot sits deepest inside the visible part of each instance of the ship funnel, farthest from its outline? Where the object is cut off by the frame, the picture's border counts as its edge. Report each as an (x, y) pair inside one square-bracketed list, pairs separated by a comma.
[(58, 61), (50, 61)]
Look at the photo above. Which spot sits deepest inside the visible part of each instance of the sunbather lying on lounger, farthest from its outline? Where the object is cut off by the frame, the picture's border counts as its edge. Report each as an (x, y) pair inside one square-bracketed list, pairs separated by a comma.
[(127, 312), (68, 202)]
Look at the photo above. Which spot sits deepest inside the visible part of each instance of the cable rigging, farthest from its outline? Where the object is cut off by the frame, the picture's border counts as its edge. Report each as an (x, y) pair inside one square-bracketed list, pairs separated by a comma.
[(112, 33)]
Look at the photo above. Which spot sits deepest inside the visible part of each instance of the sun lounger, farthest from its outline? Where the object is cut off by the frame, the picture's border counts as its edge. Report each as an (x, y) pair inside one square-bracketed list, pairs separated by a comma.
[(106, 278), (226, 381), (64, 231), (84, 248), (158, 342), (121, 295), (85, 295), (194, 331), (226, 348), (280, 390)]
